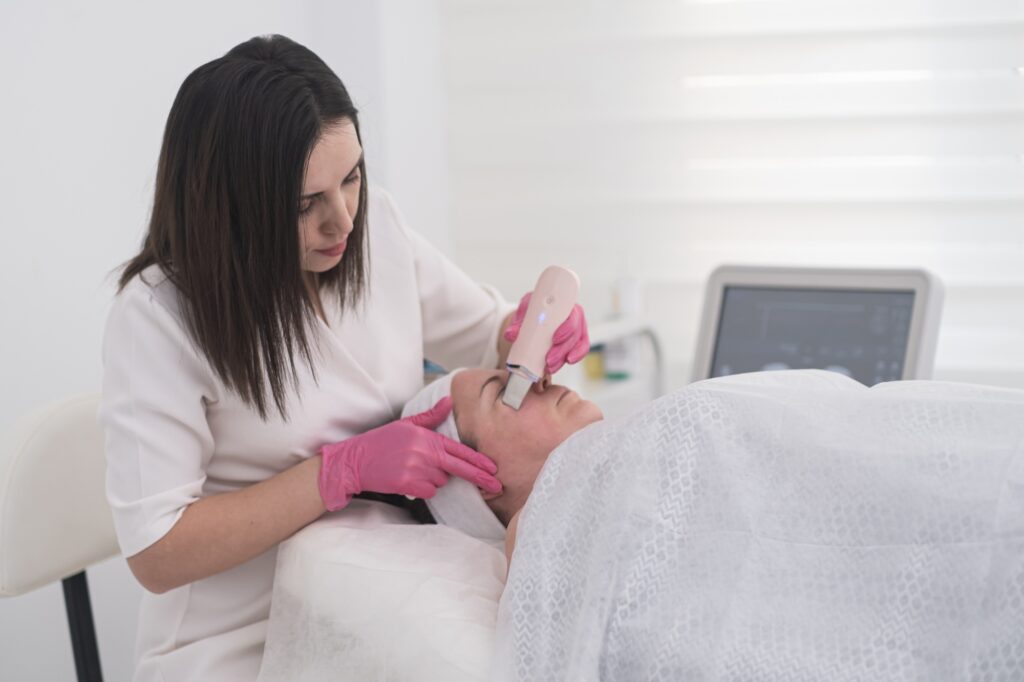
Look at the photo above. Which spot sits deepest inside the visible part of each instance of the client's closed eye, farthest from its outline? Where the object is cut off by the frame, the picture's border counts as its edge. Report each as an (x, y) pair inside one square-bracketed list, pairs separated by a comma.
[(494, 379)]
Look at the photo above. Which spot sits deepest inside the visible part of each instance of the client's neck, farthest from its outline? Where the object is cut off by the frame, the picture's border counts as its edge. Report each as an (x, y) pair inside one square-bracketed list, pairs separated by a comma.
[(508, 503), (504, 507)]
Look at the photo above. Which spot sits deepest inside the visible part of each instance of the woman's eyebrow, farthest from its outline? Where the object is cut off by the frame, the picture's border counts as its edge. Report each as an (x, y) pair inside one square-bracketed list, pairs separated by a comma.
[(484, 385)]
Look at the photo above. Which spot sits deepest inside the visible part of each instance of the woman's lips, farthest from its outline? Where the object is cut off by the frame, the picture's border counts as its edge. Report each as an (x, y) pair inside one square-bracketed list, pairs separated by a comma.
[(335, 251)]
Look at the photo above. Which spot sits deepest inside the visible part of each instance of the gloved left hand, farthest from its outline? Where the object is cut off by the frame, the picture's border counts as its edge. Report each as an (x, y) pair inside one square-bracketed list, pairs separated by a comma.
[(406, 457), (569, 344)]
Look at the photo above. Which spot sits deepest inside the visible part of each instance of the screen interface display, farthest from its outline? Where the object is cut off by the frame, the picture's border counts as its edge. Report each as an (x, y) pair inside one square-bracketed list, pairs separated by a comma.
[(862, 334)]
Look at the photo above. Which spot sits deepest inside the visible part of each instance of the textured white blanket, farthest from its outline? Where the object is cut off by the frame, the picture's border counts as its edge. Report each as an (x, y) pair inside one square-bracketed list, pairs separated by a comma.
[(779, 526)]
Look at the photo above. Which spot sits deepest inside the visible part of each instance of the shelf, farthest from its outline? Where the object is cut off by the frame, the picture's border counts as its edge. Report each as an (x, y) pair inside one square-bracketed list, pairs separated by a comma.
[(619, 328), (617, 397)]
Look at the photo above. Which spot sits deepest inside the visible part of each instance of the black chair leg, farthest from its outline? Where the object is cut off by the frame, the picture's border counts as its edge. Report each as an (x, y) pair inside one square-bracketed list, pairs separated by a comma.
[(83, 631)]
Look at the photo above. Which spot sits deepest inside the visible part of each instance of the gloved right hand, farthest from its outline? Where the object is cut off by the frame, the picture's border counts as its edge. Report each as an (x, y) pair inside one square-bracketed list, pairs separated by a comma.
[(405, 457), (570, 343)]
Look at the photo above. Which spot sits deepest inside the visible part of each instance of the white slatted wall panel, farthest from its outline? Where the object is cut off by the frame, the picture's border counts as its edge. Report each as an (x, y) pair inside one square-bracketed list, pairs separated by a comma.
[(664, 138)]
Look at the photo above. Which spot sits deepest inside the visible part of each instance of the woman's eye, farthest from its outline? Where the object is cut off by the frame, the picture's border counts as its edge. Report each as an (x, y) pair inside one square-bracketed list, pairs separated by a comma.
[(305, 208)]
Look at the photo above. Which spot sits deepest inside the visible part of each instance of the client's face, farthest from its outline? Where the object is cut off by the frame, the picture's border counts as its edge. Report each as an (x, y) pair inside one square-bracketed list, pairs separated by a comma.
[(518, 441)]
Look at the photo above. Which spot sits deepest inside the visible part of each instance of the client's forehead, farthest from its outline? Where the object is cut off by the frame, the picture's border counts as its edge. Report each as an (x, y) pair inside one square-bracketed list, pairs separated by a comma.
[(469, 397), (472, 387), (473, 382), (494, 378)]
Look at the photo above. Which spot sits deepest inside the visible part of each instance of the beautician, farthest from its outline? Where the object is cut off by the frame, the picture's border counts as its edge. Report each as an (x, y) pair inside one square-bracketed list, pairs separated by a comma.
[(260, 347)]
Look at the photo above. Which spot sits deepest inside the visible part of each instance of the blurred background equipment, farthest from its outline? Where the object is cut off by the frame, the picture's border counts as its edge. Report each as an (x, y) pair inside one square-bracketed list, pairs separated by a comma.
[(871, 325)]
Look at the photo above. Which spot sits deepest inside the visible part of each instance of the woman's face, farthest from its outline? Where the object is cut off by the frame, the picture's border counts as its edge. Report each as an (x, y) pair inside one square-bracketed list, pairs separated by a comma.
[(330, 197), (519, 441)]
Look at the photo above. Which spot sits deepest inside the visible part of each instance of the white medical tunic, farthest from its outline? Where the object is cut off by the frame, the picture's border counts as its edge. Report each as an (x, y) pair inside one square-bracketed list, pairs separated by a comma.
[(174, 434)]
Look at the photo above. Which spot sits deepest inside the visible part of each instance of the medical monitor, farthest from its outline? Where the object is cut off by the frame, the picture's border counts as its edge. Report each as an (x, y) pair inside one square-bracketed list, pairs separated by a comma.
[(871, 325)]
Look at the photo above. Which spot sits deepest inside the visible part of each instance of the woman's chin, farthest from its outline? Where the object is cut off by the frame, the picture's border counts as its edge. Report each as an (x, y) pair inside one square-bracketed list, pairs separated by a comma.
[(587, 413), (321, 265)]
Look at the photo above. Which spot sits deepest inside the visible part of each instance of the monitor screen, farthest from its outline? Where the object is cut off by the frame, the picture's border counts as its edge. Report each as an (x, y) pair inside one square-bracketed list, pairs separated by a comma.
[(862, 334)]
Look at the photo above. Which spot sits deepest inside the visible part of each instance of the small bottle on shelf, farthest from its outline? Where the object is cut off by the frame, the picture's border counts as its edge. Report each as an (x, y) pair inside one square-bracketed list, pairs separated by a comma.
[(620, 355)]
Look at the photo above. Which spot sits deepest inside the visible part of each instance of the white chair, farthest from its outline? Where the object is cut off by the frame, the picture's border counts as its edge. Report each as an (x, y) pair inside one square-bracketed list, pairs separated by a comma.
[(54, 517)]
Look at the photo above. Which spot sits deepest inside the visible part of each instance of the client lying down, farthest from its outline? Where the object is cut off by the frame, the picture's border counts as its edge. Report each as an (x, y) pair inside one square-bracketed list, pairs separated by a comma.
[(785, 525)]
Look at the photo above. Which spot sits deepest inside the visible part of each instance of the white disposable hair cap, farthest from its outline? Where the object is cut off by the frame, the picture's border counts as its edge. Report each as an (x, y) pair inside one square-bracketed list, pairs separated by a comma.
[(458, 503)]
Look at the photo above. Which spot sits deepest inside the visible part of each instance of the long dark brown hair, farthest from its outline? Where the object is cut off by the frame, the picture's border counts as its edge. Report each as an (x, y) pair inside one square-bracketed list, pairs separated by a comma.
[(225, 221)]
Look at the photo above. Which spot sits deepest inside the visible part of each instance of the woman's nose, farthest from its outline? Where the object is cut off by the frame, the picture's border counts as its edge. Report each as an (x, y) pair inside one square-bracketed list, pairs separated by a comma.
[(340, 218)]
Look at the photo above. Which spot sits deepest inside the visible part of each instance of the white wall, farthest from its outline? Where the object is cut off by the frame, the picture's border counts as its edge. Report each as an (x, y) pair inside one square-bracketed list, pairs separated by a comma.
[(86, 88), (661, 139)]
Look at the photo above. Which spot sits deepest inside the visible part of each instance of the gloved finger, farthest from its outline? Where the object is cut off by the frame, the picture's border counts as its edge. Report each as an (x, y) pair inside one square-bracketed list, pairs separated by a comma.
[(463, 469), (581, 349), (568, 340), (512, 331), (468, 454), (421, 489), (556, 357), (573, 349), (570, 327), (437, 477), (433, 417)]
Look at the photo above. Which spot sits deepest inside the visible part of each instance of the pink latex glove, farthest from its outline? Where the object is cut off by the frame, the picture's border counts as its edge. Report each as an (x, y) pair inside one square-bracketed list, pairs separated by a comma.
[(404, 457), (570, 342)]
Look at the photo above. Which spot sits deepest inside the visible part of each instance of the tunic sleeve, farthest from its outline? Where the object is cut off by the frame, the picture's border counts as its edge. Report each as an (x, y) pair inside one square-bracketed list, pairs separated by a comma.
[(153, 413), (461, 318)]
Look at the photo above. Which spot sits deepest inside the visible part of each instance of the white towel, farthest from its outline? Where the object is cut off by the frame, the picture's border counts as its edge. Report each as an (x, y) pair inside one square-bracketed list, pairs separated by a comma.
[(458, 503)]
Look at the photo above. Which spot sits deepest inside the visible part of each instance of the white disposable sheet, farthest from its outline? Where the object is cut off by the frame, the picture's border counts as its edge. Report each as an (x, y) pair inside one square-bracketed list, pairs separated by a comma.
[(367, 595), (778, 526)]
